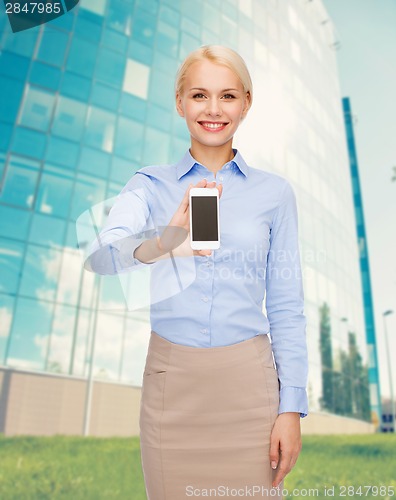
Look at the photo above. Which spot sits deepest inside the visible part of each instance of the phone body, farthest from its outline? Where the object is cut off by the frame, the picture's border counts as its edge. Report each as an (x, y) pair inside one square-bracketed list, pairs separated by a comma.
[(204, 218)]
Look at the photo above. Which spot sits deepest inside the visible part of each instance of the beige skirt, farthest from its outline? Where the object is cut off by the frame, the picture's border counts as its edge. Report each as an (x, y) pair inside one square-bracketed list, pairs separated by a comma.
[(206, 417)]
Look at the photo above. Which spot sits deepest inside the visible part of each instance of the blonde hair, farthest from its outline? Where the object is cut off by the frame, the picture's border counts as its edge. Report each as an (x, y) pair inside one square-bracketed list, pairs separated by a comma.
[(218, 54)]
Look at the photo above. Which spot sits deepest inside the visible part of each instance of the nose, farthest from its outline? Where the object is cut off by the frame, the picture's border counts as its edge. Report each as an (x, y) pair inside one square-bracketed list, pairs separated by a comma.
[(213, 107)]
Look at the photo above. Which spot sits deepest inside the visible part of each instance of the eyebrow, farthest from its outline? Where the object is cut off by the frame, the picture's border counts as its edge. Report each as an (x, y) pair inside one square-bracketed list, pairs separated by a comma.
[(205, 90)]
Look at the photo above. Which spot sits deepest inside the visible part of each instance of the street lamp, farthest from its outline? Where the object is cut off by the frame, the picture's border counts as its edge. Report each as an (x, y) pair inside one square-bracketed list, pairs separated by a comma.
[(384, 314)]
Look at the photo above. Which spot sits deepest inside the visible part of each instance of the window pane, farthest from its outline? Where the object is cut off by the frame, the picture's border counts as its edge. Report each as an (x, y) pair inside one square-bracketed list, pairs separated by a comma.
[(69, 119), (55, 190), (161, 88), (100, 129), (129, 139), (159, 117), (76, 86), (37, 109), (47, 230), (136, 79), (156, 147), (14, 223), (132, 106), (105, 97), (11, 253), (69, 277), (143, 28), (94, 162), (62, 152), (29, 142), (22, 45), (13, 66), (30, 334), (45, 76), (87, 192), (119, 16), (10, 99), (6, 312), (20, 182), (110, 67), (40, 272), (61, 339), (5, 137), (88, 25), (115, 41), (82, 57), (53, 46)]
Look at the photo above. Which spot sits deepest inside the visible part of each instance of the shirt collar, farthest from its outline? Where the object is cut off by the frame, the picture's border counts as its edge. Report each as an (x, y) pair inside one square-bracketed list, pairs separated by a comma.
[(188, 161)]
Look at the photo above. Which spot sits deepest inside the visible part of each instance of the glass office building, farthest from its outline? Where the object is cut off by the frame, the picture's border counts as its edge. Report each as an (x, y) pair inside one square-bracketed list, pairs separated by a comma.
[(87, 99)]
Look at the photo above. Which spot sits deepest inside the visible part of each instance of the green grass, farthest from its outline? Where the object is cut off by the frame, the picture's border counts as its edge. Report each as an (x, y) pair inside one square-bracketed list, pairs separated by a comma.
[(75, 468)]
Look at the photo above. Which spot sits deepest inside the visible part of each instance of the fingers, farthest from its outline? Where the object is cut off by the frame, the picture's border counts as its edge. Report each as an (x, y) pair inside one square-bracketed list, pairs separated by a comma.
[(287, 461)]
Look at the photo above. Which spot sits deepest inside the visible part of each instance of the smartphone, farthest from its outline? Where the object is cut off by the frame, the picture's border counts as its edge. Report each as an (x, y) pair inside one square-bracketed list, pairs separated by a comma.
[(204, 218)]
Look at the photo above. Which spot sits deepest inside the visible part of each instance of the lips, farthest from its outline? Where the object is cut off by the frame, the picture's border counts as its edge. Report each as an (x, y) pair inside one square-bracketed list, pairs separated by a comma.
[(213, 126)]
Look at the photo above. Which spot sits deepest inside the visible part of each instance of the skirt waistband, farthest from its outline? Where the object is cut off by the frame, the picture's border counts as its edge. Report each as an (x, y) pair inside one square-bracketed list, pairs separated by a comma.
[(229, 353)]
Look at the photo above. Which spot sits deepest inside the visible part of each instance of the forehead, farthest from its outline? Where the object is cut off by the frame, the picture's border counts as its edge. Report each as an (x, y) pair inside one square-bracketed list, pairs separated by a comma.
[(206, 73)]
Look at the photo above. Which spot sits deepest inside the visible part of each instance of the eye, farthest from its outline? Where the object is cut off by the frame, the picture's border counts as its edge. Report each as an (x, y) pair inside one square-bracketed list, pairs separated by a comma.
[(198, 95), (229, 95)]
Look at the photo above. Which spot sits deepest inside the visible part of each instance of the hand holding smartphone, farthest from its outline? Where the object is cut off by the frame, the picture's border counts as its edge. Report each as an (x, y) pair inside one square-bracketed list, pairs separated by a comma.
[(204, 218), (173, 237)]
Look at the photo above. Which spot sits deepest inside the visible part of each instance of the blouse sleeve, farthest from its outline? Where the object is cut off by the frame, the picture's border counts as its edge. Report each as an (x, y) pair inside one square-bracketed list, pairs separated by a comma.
[(125, 228), (285, 306)]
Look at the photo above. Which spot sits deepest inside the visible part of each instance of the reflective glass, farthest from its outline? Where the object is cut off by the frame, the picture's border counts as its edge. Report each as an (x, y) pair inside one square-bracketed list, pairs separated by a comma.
[(94, 162), (87, 192), (47, 230), (119, 16), (37, 109), (110, 67), (109, 329), (29, 142), (13, 66), (82, 57), (11, 255), (69, 277), (60, 347), (20, 182), (156, 147), (161, 88), (76, 86), (140, 52), (62, 152), (45, 76), (121, 170), (129, 138), (40, 272), (14, 222), (105, 96), (89, 26), (69, 119), (115, 41), (5, 137), (6, 314), (23, 44), (55, 191), (30, 333), (159, 117), (136, 79), (99, 131), (143, 27), (133, 107), (53, 46), (10, 99)]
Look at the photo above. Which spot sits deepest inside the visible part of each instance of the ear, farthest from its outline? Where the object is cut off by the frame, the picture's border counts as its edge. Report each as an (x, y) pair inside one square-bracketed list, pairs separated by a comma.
[(179, 106), (248, 103)]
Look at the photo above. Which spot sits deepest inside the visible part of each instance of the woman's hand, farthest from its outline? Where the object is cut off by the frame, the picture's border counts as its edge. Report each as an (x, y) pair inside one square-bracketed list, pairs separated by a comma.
[(286, 438), (175, 237)]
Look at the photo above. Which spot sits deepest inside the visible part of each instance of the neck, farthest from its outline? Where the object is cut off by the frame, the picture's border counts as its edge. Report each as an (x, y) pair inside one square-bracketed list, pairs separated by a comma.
[(212, 157)]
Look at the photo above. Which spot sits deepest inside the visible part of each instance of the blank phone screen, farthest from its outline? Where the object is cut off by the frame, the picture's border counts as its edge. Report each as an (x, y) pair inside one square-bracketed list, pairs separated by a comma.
[(204, 218)]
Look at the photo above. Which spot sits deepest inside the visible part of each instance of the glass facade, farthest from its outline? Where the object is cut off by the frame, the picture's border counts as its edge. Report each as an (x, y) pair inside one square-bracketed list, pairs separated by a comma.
[(87, 99)]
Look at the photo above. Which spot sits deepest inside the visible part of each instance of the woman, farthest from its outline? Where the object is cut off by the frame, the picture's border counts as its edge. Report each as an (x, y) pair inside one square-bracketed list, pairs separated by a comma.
[(215, 411)]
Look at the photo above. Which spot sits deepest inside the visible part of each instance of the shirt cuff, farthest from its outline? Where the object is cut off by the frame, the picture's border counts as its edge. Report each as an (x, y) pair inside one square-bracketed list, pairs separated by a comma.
[(127, 247), (293, 399)]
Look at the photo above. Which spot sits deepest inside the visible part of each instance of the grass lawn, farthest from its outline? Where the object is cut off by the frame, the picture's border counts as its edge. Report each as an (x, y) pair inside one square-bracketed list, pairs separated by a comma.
[(95, 468)]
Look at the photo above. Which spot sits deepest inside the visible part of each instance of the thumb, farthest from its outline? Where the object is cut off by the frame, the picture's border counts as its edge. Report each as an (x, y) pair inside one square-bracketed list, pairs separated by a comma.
[(274, 453)]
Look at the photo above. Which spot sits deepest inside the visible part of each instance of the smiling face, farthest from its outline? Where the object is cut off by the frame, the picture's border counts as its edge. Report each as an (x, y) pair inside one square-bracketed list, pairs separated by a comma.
[(213, 103)]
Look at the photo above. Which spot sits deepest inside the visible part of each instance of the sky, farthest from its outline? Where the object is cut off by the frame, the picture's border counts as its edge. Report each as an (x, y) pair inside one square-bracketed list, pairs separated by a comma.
[(366, 30)]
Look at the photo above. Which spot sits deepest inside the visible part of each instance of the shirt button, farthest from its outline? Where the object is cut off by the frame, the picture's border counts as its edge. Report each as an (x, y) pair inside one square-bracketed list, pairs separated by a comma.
[(227, 166), (221, 177), (205, 299), (204, 330)]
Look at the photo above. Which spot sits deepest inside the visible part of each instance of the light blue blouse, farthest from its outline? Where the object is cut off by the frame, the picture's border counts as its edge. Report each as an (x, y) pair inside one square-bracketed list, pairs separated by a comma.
[(217, 300)]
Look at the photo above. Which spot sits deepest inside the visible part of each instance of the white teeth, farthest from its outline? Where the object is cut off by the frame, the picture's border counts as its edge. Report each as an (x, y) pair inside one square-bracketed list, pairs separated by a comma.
[(213, 125)]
